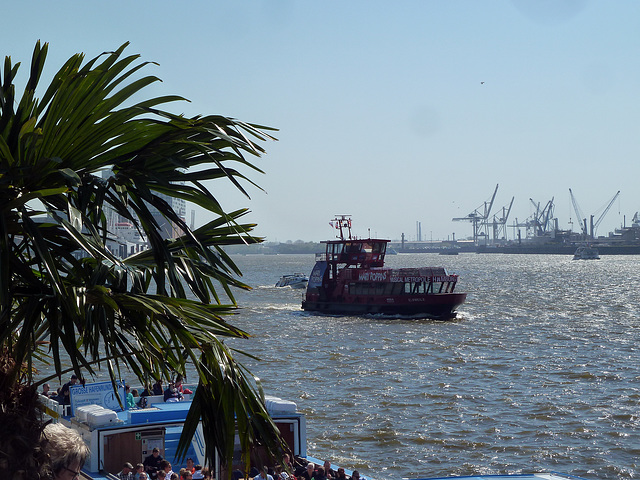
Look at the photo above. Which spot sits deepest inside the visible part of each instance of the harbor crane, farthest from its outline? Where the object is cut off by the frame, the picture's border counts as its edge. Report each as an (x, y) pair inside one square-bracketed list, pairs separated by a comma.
[(594, 226), (479, 218), (541, 221), (581, 218), (499, 223), (591, 232)]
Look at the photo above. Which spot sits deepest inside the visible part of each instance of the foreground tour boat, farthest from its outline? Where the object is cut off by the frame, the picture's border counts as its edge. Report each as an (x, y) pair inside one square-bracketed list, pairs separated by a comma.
[(350, 278), (116, 435)]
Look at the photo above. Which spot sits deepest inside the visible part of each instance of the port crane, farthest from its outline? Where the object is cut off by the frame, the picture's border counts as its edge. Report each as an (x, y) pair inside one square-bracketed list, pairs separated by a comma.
[(591, 232), (499, 222), (479, 218), (541, 221)]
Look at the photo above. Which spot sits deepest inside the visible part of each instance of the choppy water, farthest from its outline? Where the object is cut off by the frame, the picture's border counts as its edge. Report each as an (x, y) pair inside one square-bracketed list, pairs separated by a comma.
[(539, 371)]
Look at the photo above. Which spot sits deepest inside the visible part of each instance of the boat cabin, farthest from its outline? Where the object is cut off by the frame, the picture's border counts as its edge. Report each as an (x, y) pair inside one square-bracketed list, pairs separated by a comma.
[(363, 253)]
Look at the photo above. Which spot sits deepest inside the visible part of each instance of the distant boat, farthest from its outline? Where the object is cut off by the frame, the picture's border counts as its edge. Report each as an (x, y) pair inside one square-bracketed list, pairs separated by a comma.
[(586, 252), (295, 280)]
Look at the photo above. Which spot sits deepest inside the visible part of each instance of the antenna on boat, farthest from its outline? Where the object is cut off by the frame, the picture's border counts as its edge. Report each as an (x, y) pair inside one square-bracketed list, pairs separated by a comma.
[(342, 223)]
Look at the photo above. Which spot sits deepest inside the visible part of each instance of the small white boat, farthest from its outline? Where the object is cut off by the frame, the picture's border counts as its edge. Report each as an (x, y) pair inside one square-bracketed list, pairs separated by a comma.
[(586, 252), (296, 280)]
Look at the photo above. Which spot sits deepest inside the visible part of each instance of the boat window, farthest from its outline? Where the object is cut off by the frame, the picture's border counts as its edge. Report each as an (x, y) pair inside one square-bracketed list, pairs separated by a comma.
[(369, 288), (379, 247), (367, 247), (416, 288), (353, 248)]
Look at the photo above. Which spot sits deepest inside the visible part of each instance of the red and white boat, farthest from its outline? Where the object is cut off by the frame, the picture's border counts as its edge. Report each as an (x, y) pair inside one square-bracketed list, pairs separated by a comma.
[(350, 278)]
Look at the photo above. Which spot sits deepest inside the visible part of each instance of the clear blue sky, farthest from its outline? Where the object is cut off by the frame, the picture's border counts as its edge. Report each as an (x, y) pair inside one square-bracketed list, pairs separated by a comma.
[(380, 107)]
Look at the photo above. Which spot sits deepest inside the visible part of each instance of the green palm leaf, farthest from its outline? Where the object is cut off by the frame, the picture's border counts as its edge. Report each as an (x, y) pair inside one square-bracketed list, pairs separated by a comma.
[(101, 311)]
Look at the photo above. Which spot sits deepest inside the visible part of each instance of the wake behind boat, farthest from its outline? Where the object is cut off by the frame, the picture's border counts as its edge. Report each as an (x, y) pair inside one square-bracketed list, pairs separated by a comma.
[(350, 278)]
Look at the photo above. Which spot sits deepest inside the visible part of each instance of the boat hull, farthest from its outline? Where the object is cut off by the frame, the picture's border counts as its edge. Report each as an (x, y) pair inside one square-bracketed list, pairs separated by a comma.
[(436, 306)]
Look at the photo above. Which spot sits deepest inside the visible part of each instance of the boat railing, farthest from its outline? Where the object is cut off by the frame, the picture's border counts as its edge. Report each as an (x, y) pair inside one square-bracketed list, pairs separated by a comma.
[(54, 409)]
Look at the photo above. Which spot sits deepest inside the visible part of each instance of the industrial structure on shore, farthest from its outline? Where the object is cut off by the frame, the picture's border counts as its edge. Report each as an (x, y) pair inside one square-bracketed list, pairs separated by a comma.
[(540, 233)]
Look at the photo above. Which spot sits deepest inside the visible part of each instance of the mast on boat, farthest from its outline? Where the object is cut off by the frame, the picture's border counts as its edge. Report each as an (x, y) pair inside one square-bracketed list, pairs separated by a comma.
[(342, 223)]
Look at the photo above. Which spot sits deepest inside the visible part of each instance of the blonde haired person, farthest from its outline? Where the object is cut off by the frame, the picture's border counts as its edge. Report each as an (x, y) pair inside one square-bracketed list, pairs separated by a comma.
[(66, 450)]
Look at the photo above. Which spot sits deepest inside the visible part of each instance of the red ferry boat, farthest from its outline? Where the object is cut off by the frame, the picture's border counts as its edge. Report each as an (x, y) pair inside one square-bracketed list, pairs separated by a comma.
[(350, 278)]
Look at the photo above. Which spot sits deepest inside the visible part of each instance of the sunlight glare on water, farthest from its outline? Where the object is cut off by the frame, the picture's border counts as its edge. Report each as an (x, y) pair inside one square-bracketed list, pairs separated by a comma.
[(538, 372)]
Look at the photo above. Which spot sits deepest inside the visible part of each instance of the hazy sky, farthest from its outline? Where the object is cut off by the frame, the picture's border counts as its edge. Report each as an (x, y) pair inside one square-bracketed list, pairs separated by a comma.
[(381, 107)]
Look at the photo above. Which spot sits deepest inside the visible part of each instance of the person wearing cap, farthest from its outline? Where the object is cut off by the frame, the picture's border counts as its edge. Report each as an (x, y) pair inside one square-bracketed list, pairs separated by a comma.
[(127, 472), (152, 463)]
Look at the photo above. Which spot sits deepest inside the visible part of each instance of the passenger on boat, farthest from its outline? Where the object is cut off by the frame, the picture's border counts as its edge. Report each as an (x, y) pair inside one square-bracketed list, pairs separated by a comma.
[(180, 387), (190, 466), (126, 473), (131, 402), (197, 474), (148, 390), (165, 466), (157, 387), (46, 391), (341, 475), (63, 397), (281, 474), (328, 471), (171, 394), (355, 475), (153, 463), (319, 474), (66, 450), (308, 473), (286, 460), (161, 475), (139, 471), (264, 474)]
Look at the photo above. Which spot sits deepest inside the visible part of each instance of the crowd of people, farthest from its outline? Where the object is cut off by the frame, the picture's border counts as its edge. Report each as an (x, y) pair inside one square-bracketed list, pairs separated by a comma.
[(175, 392), (68, 452), (154, 467), (300, 469)]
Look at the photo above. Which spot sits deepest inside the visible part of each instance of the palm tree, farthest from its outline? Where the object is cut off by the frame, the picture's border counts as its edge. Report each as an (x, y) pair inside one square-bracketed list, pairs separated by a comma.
[(61, 287)]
